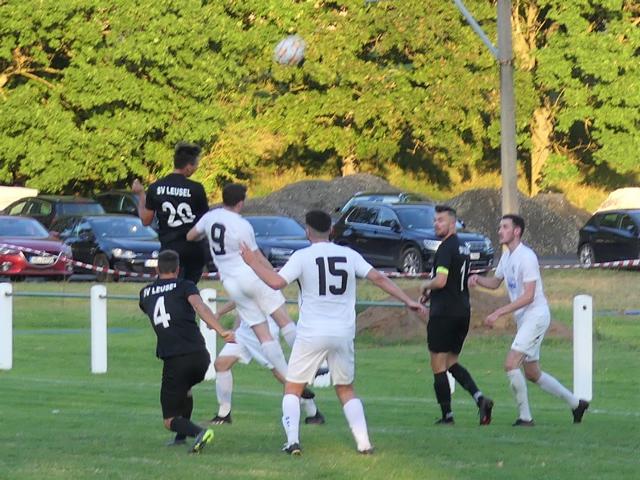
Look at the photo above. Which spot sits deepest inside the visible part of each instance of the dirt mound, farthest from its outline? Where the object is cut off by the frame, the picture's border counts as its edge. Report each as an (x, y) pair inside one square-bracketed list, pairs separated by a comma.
[(296, 199), (398, 324), (552, 222)]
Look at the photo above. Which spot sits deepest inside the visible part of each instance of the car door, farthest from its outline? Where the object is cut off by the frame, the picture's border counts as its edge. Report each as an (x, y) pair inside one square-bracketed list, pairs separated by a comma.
[(605, 239), (79, 236), (626, 239), (41, 210), (359, 226), (386, 238)]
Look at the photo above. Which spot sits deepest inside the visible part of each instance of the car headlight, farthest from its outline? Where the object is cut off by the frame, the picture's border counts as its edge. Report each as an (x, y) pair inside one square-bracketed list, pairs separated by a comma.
[(122, 253), (8, 251), (431, 244), (281, 252)]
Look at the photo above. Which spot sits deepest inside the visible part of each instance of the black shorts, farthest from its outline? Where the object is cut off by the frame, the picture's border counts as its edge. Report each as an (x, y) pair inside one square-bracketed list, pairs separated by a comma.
[(192, 258), (447, 333), (179, 374)]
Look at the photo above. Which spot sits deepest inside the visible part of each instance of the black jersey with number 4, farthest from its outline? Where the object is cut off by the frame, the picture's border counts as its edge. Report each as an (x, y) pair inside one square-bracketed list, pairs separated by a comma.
[(179, 203), (451, 258), (166, 303)]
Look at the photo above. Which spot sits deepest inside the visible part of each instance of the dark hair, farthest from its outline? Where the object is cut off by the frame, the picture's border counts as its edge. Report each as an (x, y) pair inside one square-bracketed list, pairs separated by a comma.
[(517, 220), (318, 220), (168, 261), (446, 208), (185, 154), (233, 194)]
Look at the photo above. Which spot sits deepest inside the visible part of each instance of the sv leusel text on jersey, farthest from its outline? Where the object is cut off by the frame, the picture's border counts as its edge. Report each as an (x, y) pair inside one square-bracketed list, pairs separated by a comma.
[(158, 289), (173, 191)]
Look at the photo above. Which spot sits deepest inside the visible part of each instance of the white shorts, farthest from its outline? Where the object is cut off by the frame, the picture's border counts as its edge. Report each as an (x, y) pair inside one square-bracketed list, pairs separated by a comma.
[(247, 346), (531, 330), (255, 300), (307, 356)]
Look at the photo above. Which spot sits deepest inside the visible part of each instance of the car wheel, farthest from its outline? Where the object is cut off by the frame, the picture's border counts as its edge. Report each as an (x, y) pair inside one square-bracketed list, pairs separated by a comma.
[(411, 261), (586, 256), (101, 260)]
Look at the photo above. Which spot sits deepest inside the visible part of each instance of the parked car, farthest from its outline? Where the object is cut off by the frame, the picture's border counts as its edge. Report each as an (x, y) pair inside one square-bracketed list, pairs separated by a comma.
[(382, 197), (610, 235), (118, 201), (29, 233), (120, 242), (401, 235), (49, 208), (278, 237)]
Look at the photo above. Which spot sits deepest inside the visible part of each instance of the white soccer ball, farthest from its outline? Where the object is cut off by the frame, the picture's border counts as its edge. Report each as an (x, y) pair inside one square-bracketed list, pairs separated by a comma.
[(290, 50)]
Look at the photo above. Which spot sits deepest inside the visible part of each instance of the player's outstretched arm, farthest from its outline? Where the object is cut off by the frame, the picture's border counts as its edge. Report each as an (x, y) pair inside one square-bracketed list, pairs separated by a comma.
[(382, 282), (487, 282), (266, 274), (194, 234), (210, 318), (146, 215), (522, 301)]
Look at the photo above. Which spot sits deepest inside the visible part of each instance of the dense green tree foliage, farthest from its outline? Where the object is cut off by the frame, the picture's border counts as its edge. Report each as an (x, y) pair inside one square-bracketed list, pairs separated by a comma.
[(94, 93)]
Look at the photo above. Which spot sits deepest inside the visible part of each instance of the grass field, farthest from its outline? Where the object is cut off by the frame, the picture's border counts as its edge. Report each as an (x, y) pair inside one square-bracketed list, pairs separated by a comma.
[(57, 421)]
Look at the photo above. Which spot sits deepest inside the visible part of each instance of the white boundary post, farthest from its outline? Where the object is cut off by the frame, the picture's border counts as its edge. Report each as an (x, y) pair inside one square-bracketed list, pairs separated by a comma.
[(98, 329), (209, 297), (583, 347), (6, 326)]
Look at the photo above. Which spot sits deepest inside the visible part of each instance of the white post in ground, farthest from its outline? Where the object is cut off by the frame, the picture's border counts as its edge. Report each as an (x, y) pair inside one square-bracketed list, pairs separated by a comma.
[(98, 329), (6, 326), (583, 347), (209, 297)]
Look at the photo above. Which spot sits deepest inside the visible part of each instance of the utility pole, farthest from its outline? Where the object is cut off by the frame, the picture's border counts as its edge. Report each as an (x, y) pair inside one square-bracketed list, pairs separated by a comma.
[(504, 55)]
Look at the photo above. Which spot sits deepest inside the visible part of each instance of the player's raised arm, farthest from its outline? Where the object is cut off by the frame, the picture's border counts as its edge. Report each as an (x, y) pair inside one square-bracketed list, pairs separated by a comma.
[(391, 288), (486, 282), (210, 318), (146, 215), (266, 274)]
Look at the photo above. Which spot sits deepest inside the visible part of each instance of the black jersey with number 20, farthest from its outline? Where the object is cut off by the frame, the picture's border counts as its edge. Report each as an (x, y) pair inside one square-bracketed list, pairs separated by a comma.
[(166, 303), (451, 258)]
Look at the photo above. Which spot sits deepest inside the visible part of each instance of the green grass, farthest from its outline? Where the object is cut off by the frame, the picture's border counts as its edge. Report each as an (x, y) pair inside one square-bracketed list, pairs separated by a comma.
[(60, 422)]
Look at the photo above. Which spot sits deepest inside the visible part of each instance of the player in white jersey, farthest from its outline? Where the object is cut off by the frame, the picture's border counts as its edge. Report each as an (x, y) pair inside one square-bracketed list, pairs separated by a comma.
[(247, 348), (327, 274), (519, 268), (226, 230)]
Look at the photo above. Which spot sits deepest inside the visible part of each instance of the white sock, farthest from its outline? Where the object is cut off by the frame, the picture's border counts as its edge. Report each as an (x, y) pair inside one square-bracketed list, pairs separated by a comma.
[(519, 389), (289, 333), (291, 417), (354, 412), (309, 405), (554, 387), (273, 351), (224, 388)]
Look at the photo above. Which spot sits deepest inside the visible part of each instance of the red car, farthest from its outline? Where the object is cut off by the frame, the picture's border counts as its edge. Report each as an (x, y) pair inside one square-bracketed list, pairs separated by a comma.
[(29, 233)]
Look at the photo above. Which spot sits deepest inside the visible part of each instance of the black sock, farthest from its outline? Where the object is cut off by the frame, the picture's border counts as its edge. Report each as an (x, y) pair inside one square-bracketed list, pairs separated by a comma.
[(185, 427), (463, 377), (443, 393), (186, 413)]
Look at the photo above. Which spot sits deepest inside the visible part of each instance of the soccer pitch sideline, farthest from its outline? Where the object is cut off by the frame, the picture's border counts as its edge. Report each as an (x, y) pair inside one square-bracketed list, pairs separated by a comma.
[(60, 422)]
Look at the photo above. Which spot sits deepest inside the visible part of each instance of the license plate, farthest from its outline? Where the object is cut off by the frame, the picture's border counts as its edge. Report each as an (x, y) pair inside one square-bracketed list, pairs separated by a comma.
[(152, 263), (474, 255), (44, 260)]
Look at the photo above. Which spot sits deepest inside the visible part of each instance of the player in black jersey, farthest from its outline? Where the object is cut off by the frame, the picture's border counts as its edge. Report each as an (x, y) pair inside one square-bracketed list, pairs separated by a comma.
[(178, 203), (171, 305), (449, 316)]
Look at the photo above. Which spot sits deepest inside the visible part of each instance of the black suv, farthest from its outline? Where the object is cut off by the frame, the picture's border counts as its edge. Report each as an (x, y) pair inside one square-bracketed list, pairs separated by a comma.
[(49, 208), (611, 235), (402, 236)]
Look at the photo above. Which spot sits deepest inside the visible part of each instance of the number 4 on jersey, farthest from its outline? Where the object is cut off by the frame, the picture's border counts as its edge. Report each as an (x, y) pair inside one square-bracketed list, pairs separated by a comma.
[(160, 315)]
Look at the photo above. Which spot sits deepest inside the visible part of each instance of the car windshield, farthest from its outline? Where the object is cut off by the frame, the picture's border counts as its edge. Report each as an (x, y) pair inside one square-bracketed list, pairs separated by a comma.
[(276, 227), (418, 217), (122, 227), (22, 227), (82, 209)]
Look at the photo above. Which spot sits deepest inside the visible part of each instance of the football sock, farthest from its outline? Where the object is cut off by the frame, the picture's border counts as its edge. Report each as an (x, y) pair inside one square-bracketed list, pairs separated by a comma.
[(310, 408), (224, 389), (184, 426), (551, 385), (443, 393), (289, 333), (463, 377), (354, 412), (291, 417), (186, 413), (519, 389), (273, 351)]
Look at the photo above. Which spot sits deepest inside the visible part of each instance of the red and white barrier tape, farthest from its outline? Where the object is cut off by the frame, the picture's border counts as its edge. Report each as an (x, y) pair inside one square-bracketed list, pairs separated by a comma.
[(215, 275)]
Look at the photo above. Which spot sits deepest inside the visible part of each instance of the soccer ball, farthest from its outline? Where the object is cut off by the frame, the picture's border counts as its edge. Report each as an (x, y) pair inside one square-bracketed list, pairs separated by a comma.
[(290, 50)]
